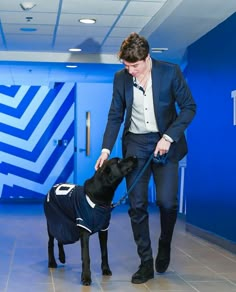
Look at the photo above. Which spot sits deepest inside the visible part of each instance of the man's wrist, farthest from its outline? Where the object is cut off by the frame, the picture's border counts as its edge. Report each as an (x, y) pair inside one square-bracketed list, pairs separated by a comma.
[(168, 138), (107, 151)]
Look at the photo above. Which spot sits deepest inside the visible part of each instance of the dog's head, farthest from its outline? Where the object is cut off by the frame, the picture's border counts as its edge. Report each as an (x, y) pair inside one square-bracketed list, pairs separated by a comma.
[(102, 185), (114, 170)]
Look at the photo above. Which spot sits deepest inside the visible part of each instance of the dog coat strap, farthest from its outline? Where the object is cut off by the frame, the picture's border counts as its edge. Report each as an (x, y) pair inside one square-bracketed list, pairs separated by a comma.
[(91, 204)]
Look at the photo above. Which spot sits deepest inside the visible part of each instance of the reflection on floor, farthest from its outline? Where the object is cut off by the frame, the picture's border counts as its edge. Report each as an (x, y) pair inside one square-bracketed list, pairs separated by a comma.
[(196, 265)]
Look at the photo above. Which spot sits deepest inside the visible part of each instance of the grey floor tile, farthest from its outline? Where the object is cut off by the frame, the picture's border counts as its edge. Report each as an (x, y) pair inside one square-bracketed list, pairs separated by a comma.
[(213, 286)]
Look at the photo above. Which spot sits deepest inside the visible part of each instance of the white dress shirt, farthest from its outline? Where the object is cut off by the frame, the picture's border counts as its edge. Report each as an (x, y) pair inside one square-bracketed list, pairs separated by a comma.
[(143, 117)]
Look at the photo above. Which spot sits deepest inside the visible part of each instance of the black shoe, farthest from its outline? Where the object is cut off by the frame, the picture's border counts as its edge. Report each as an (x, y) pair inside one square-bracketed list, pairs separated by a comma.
[(163, 258), (144, 273)]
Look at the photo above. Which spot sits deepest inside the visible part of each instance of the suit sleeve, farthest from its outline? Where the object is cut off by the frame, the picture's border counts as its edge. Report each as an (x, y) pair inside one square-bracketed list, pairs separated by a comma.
[(186, 105), (116, 112)]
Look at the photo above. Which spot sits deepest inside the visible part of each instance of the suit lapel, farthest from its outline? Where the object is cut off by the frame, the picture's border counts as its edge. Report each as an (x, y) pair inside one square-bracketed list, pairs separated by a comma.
[(156, 83), (129, 90)]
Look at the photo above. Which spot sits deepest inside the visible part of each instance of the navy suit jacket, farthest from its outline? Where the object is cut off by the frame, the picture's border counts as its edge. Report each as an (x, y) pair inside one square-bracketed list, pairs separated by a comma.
[(174, 106)]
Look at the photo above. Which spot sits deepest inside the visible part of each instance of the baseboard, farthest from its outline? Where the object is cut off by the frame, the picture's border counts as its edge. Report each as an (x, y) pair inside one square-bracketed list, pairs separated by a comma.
[(211, 237)]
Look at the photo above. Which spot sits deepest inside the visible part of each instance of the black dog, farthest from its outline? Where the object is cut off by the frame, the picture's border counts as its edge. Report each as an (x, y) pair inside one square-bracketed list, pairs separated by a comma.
[(75, 212)]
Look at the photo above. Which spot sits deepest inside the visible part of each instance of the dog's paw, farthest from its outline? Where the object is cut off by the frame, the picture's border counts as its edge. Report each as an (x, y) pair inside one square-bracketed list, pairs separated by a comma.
[(86, 281), (106, 271), (62, 257), (52, 264)]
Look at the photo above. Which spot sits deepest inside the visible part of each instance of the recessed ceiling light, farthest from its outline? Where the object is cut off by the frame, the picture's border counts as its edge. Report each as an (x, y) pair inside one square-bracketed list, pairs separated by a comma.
[(75, 50), (71, 66), (159, 50), (87, 20)]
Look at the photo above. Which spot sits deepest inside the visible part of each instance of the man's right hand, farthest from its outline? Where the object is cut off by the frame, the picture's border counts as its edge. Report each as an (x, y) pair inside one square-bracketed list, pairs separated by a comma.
[(103, 157)]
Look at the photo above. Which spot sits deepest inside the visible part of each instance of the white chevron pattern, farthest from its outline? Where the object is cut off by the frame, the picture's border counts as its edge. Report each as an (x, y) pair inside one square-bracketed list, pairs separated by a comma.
[(14, 103), (47, 151), (31, 159), (11, 179)]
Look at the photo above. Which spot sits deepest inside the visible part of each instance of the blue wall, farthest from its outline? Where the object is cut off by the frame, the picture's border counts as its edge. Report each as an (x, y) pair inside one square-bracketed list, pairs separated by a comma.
[(211, 173)]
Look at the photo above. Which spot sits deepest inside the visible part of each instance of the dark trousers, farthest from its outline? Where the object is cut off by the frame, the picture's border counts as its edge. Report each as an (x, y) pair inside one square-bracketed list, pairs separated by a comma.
[(166, 182)]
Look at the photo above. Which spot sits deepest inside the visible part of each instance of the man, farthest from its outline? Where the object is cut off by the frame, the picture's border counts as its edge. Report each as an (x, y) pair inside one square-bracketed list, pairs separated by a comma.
[(146, 93)]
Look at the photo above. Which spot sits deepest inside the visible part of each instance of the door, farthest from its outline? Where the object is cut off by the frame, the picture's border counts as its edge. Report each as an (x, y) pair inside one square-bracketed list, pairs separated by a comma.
[(94, 99), (36, 139)]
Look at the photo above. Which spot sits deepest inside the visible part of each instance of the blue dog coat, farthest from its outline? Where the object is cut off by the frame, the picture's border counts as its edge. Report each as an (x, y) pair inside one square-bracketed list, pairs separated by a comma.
[(67, 207)]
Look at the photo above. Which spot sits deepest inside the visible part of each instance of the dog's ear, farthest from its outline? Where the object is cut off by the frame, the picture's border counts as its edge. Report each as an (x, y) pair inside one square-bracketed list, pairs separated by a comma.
[(104, 169)]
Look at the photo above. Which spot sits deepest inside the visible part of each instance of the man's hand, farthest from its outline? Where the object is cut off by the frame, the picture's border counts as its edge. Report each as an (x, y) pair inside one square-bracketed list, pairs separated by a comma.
[(162, 147), (103, 157)]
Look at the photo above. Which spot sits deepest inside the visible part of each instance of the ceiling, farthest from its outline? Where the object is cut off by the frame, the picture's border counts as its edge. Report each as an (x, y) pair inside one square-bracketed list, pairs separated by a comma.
[(45, 33)]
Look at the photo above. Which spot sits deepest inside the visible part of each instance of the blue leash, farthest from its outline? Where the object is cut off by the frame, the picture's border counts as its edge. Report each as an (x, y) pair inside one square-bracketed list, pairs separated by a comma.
[(160, 159)]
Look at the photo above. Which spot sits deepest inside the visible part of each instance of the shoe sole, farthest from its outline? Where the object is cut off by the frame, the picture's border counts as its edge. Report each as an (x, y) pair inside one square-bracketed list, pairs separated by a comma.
[(140, 281)]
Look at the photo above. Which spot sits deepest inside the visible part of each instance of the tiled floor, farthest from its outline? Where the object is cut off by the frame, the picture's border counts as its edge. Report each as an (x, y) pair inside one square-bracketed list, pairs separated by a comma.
[(196, 265)]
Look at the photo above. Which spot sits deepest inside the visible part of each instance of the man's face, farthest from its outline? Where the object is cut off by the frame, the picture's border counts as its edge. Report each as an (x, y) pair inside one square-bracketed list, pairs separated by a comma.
[(138, 68)]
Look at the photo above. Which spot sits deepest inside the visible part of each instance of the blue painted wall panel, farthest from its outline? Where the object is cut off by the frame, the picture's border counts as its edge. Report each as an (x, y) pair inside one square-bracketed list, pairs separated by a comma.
[(211, 180)]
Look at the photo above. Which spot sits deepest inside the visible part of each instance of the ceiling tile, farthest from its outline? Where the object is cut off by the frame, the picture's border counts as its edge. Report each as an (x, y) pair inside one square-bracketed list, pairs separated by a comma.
[(16, 29), (20, 18), (29, 43), (150, 8), (41, 6), (93, 7), (132, 21)]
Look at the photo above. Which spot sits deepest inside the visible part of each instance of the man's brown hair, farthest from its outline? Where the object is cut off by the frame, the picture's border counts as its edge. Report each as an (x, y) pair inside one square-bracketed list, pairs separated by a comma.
[(134, 48)]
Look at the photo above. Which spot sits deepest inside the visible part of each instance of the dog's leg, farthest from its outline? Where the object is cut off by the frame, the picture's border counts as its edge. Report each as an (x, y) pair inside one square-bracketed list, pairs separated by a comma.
[(51, 258), (103, 235), (85, 257), (62, 256)]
